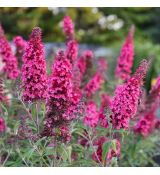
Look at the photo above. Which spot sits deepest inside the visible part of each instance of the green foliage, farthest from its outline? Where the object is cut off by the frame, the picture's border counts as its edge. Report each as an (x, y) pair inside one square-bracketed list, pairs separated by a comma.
[(138, 151), (135, 150)]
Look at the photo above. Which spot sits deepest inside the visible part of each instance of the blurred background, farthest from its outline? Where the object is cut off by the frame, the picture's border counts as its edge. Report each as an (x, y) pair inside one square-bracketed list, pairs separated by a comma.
[(101, 29)]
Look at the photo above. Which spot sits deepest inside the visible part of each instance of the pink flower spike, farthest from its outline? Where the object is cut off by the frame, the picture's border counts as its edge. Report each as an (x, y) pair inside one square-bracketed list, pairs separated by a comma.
[(34, 75), (8, 58), (2, 125), (68, 27), (125, 102), (60, 85), (85, 62), (91, 117), (105, 103), (125, 59), (3, 97), (62, 101), (20, 43), (94, 84), (148, 121), (72, 51), (102, 64), (145, 125)]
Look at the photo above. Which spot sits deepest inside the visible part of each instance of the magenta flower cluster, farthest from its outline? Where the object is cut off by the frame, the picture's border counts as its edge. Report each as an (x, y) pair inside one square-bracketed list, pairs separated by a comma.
[(2, 125), (125, 102), (145, 125), (64, 134), (20, 43), (147, 117), (8, 58), (64, 88), (68, 27), (34, 76), (60, 85), (125, 59), (59, 102), (3, 97), (85, 62), (102, 64), (105, 105), (91, 117), (72, 51), (94, 84)]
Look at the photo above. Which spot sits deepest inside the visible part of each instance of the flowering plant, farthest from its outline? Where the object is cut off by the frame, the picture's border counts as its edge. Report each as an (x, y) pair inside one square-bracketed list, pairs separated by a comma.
[(69, 117)]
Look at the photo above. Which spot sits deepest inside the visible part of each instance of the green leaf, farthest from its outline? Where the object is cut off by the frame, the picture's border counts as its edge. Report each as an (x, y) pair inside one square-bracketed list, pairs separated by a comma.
[(39, 142), (16, 126), (5, 109), (49, 151), (105, 150), (63, 153), (29, 153), (114, 144), (69, 148)]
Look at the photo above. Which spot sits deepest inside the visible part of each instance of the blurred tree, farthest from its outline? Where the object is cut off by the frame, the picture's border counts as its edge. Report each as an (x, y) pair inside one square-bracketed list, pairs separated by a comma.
[(109, 24), (146, 20), (20, 21)]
